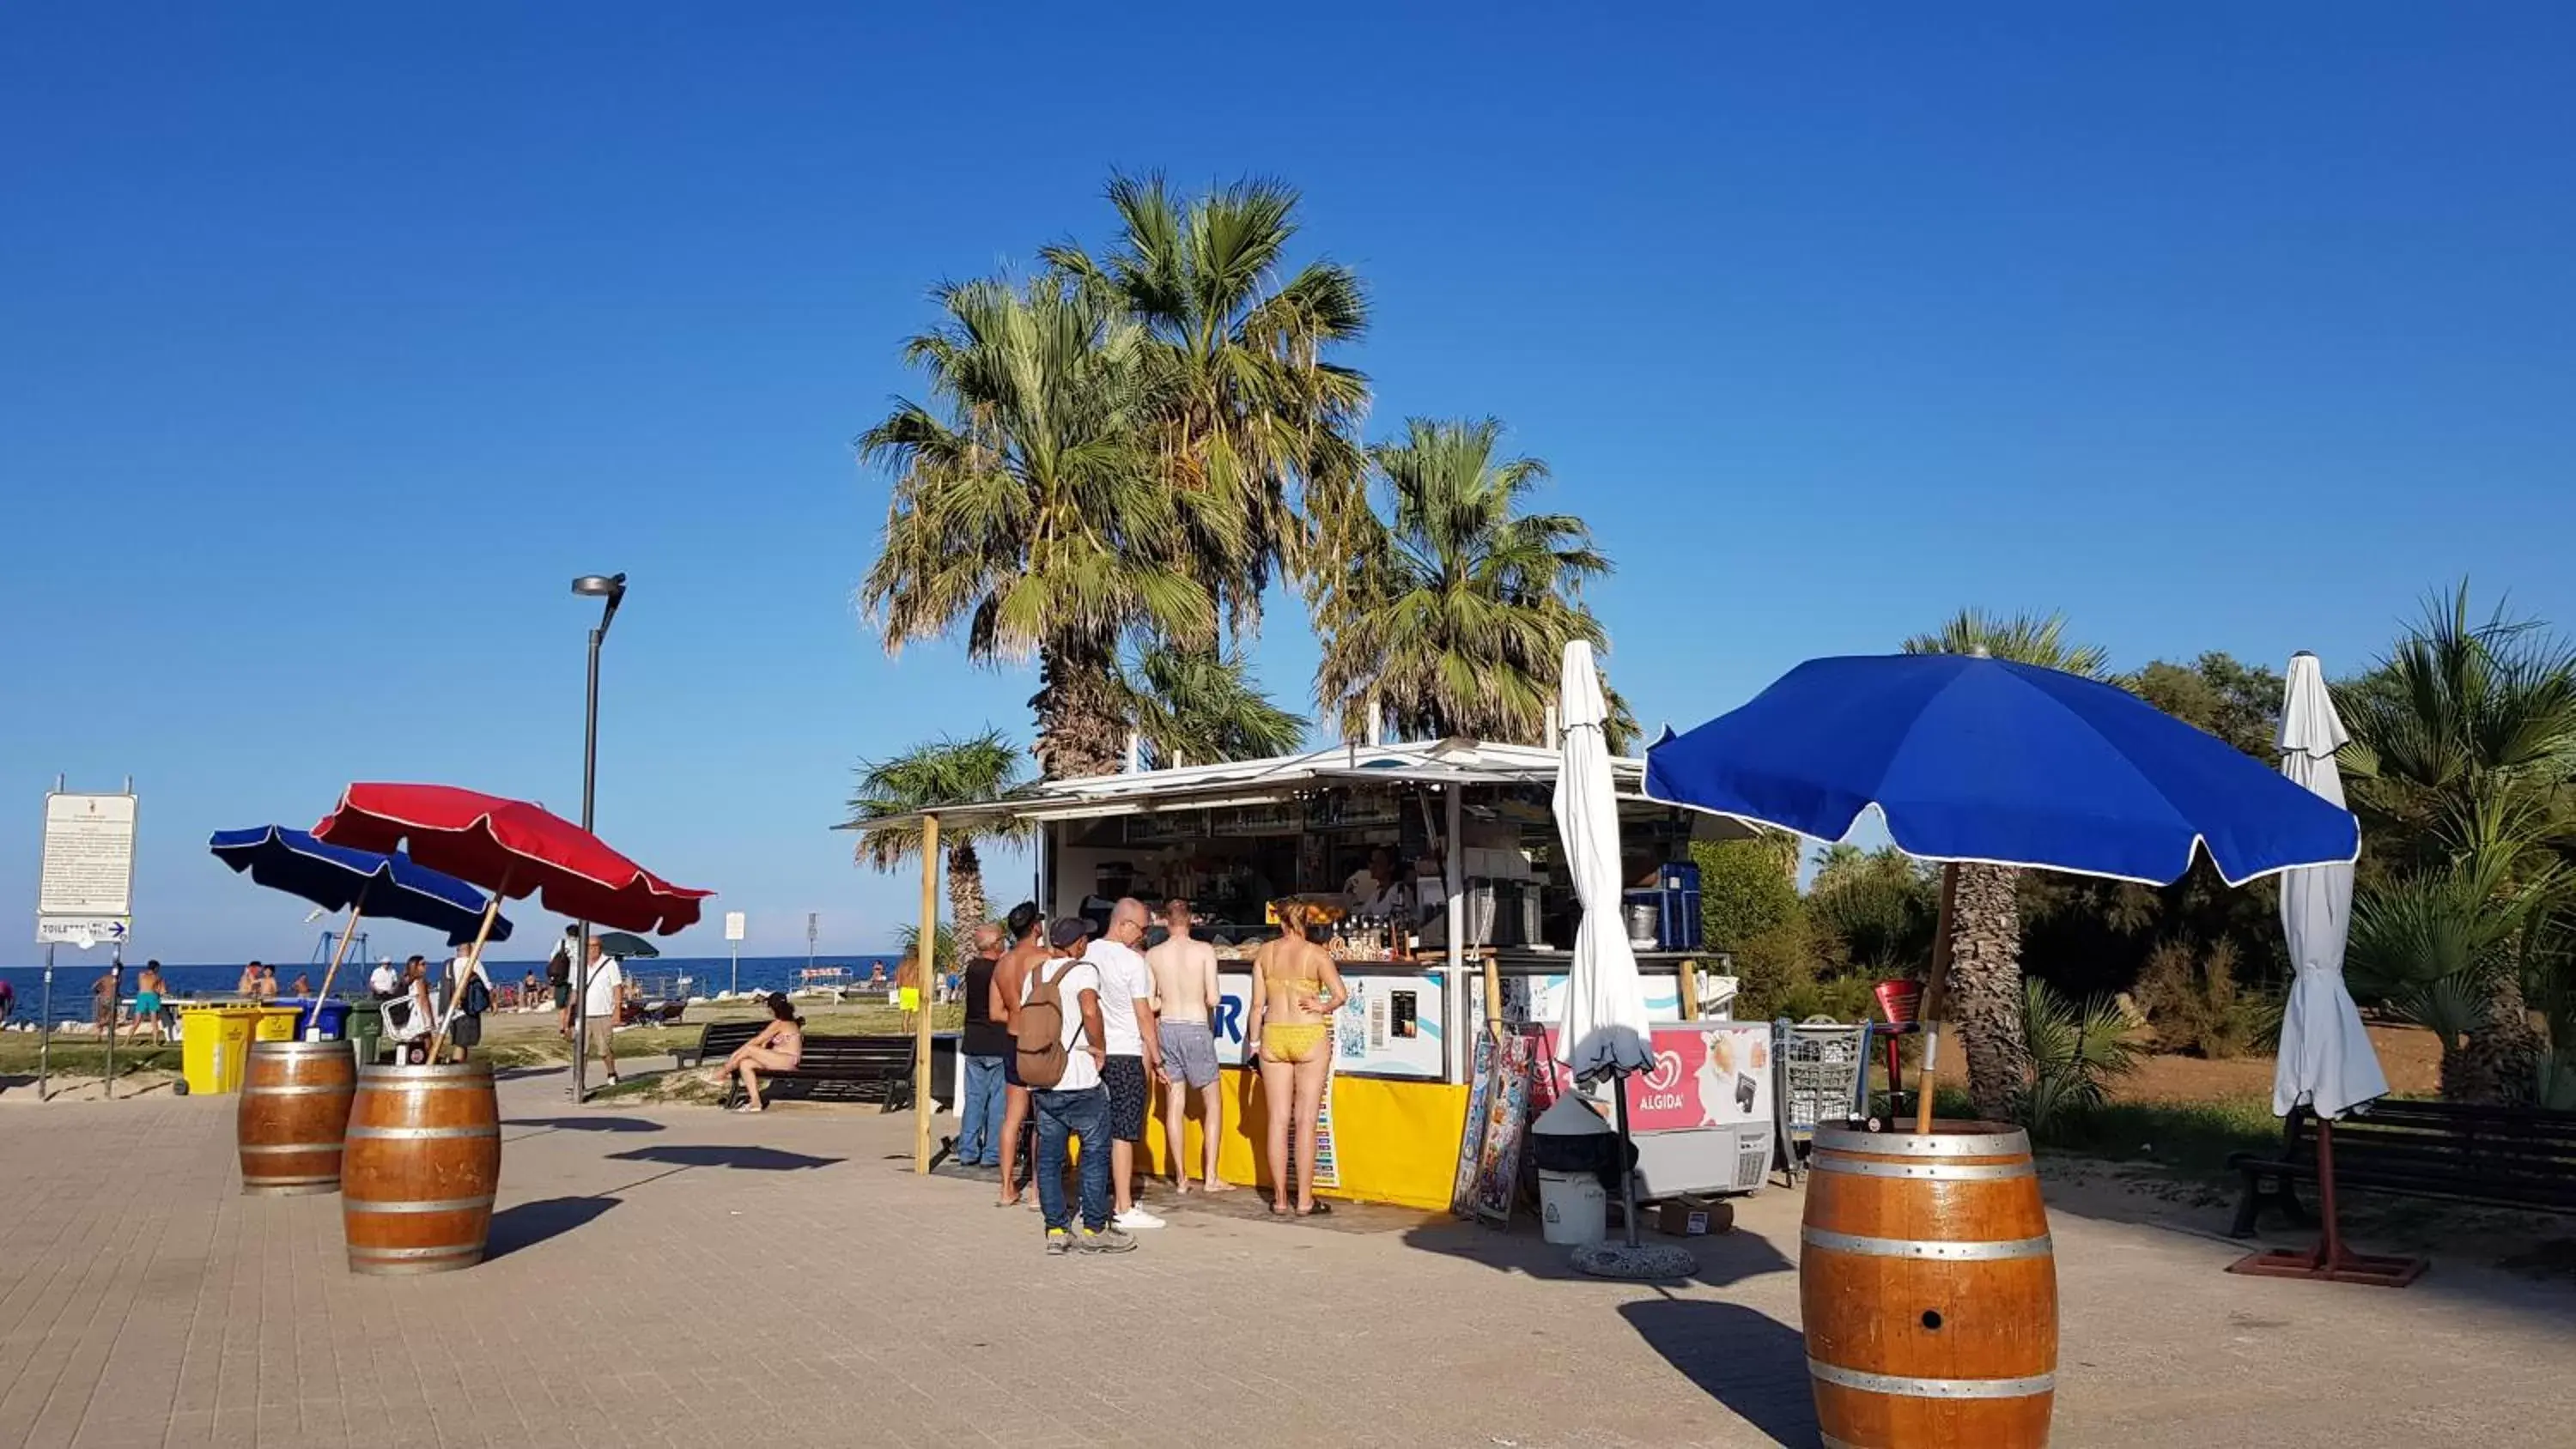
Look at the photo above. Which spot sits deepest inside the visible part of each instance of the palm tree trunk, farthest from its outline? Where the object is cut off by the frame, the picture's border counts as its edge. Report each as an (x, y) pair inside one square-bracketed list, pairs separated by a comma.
[(1081, 728), (1985, 987), (2502, 1056), (966, 908)]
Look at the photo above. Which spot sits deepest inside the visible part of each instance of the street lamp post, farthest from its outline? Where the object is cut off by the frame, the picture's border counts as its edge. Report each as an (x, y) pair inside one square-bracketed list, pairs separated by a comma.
[(610, 589)]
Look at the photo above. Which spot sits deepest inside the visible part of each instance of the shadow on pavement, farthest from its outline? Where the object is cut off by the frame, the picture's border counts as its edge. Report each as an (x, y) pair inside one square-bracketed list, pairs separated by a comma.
[(585, 1124), (1723, 1258), (752, 1159), (1744, 1359), (531, 1223)]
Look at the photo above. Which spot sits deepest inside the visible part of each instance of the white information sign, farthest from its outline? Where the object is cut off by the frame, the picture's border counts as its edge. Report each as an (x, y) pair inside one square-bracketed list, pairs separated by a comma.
[(88, 872), (81, 931), (733, 925)]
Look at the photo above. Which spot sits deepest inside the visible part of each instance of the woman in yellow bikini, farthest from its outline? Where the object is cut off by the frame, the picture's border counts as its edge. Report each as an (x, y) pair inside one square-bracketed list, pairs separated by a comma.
[(1295, 992)]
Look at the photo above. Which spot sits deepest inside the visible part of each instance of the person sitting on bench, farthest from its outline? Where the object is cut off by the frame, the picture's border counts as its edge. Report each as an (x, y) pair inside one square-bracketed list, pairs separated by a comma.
[(780, 1045)]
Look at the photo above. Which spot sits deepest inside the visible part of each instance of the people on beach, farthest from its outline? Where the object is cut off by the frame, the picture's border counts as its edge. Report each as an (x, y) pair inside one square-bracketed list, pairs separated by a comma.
[(248, 985), (604, 986), (103, 994), (559, 976), (1129, 1044), (417, 1009), (384, 983), (531, 987), (1059, 1034), (1185, 1000), (149, 988), (303, 984), (1295, 991), (1028, 932), (907, 983), (469, 995), (985, 1046), (778, 1048)]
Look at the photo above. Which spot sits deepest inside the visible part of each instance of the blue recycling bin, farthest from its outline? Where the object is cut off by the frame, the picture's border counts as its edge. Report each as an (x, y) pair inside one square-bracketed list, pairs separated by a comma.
[(332, 1019)]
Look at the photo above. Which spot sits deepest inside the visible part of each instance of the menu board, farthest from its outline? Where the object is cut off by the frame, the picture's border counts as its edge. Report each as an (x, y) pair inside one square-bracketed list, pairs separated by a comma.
[(1392, 1026), (1706, 1074)]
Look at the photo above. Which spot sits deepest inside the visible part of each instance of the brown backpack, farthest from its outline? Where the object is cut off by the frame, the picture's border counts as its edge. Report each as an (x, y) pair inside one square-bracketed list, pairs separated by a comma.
[(1037, 1032)]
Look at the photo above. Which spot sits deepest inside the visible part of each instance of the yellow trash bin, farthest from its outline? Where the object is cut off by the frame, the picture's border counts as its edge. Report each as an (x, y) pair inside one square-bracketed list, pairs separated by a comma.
[(214, 1046), (278, 1023)]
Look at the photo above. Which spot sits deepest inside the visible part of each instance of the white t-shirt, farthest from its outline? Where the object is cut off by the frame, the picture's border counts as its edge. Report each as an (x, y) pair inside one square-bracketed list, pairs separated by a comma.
[(447, 998), (1080, 1071), (599, 1000), (384, 980), (1124, 978)]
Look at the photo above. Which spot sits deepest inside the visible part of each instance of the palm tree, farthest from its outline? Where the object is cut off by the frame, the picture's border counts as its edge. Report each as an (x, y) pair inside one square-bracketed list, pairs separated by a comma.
[(1201, 707), (1248, 418), (1452, 614), (2464, 760), (975, 770), (1985, 995), (1029, 506)]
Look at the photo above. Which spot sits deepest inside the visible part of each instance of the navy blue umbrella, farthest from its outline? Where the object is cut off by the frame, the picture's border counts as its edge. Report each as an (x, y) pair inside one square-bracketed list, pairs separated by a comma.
[(361, 882), (1986, 761)]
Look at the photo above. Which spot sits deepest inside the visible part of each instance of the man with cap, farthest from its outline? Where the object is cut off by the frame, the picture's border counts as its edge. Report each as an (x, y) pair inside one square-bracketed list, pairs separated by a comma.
[(1075, 1108)]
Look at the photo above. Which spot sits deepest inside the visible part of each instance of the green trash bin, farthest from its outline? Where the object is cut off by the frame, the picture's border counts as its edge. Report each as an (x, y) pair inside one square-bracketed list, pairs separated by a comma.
[(366, 1027)]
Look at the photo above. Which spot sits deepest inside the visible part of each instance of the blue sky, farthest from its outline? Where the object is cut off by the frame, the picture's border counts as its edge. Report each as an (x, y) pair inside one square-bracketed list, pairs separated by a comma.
[(336, 339)]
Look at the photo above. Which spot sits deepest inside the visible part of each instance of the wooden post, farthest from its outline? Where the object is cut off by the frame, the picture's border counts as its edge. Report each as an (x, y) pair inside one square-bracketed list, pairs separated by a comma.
[(922, 1105), (1688, 976), (1936, 998), (357, 912), (1493, 995), (456, 992)]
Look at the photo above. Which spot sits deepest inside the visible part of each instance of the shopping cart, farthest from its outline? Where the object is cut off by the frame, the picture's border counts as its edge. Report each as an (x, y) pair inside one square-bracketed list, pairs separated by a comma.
[(1823, 1077)]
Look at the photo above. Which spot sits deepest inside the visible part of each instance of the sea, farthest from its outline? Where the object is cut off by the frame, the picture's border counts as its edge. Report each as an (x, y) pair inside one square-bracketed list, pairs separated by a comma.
[(660, 976)]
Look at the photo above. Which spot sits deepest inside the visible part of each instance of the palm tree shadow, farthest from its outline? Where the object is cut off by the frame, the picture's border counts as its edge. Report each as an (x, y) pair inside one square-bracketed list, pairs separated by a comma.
[(586, 1124), (754, 1159), (531, 1223), (1744, 1359)]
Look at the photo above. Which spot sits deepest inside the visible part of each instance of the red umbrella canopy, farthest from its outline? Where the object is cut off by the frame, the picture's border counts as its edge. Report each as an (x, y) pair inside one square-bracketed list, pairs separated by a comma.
[(514, 848)]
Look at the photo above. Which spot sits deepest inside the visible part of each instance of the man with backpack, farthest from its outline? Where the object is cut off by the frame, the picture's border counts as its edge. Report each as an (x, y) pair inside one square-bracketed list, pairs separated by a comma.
[(465, 1014), (1057, 1043)]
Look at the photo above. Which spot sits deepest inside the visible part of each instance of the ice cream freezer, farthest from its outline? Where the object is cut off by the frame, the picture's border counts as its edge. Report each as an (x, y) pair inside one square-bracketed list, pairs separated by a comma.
[(1702, 1116)]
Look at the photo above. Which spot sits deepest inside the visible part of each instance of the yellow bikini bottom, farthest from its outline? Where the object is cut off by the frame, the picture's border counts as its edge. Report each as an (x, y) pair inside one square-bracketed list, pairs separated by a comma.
[(1296, 1042)]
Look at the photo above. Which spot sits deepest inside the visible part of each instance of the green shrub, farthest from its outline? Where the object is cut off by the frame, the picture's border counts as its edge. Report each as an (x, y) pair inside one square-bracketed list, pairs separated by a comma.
[(2193, 1002), (1746, 888), (2075, 1055)]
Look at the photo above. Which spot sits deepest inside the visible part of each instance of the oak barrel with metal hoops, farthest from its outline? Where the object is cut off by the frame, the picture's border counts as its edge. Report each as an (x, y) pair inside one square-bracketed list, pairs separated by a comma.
[(294, 1105), (423, 1162), (1928, 1289)]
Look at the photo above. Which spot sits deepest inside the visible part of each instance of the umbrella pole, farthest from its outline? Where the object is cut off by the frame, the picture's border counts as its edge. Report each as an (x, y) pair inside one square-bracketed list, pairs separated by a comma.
[(1936, 1000), (357, 912), (1627, 1149), (928, 941), (456, 989)]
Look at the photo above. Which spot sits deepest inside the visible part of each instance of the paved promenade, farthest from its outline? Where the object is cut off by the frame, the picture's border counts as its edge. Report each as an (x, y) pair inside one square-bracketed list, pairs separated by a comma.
[(675, 1276)]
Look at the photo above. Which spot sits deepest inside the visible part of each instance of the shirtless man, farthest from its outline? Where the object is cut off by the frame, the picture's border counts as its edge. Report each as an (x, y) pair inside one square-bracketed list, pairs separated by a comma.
[(1185, 993), (1027, 928)]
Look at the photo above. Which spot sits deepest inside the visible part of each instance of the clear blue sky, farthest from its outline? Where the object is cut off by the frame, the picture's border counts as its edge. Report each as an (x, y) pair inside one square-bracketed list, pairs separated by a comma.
[(335, 339)]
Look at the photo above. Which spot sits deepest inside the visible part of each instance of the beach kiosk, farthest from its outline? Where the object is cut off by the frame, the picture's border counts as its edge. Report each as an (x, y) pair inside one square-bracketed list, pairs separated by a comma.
[(1473, 934)]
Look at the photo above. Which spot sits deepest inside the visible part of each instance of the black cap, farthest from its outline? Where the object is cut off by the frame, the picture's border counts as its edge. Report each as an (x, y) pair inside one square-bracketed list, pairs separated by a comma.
[(1068, 930)]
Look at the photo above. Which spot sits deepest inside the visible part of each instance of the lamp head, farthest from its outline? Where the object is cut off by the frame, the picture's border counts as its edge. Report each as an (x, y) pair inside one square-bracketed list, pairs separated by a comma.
[(600, 586)]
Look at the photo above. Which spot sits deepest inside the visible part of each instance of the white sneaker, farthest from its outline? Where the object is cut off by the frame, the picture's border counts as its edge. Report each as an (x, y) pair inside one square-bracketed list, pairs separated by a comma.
[(1136, 1220)]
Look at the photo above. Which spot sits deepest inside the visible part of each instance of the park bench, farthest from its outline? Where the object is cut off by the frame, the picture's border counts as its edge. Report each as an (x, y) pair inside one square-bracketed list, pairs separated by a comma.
[(842, 1068), (2514, 1157), (716, 1039)]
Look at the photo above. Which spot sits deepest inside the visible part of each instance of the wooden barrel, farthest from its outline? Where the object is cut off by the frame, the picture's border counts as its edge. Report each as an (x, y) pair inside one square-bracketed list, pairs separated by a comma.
[(294, 1106), (424, 1160), (1929, 1289)]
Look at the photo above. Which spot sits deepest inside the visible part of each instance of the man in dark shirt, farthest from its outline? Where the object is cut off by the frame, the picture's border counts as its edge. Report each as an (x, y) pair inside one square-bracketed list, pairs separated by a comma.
[(984, 1044)]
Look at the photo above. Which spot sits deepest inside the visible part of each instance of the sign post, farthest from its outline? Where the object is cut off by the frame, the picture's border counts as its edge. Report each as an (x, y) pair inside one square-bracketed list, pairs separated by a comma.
[(813, 928), (84, 895), (733, 934)]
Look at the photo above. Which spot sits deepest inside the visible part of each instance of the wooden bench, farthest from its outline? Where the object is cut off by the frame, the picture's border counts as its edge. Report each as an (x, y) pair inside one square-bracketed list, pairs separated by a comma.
[(842, 1068), (716, 1039), (2513, 1157)]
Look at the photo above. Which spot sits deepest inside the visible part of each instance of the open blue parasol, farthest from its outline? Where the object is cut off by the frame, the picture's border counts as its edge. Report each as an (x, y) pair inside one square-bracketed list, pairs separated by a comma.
[(1986, 761), (361, 882)]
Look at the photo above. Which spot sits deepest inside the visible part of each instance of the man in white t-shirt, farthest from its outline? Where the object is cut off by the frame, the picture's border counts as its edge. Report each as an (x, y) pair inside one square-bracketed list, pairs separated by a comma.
[(468, 996), (384, 983), (1127, 1020), (604, 985), (1075, 1108)]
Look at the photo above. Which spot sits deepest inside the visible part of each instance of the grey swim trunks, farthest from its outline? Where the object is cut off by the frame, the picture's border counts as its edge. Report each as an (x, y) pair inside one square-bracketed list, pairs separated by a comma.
[(1189, 1052)]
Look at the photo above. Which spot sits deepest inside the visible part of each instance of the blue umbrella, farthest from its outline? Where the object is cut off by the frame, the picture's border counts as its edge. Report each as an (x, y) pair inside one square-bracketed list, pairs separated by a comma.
[(360, 882), (1992, 762), (1988, 761)]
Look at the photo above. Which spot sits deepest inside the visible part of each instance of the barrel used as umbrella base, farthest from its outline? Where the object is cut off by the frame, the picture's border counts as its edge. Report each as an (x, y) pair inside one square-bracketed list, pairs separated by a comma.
[(1644, 1263)]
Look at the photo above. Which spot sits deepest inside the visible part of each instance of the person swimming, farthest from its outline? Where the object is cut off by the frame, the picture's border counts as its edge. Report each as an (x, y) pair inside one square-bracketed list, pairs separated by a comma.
[(778, 1048), (1295, 991)]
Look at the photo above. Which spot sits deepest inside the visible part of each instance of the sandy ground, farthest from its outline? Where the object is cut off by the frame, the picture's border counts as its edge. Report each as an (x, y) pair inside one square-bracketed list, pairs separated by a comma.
[(2411, 1056)]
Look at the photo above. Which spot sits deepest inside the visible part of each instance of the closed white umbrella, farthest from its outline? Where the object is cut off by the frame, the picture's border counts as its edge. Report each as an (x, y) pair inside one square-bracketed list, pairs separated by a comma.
[(1605, 1031), (2326, 1061), (1605, 1007)]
